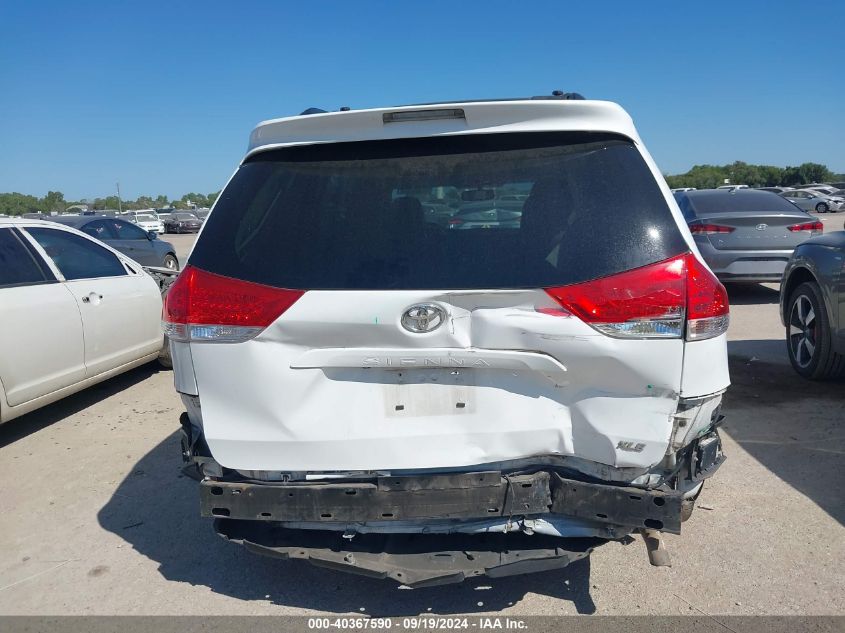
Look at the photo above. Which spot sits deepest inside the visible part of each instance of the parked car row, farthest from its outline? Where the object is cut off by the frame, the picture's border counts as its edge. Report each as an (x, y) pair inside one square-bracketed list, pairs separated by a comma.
[(755, 236), (126, 237), (75, 312), (814, 197), (745, 234), (531, 391)]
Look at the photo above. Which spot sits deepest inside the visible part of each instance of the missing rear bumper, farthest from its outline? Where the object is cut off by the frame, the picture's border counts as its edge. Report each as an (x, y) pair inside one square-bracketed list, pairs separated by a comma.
[(462, 497), (329, 518)]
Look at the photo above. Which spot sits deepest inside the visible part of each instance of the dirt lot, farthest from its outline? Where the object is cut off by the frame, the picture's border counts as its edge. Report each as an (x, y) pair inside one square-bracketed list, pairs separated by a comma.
[(98, 519)]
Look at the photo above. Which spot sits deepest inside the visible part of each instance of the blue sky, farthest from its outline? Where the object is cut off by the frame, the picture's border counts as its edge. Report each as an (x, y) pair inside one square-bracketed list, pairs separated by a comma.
[(162, 95)]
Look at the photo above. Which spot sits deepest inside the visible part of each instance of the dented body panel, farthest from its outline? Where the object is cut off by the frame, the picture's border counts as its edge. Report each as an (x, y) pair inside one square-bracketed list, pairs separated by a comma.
[(383, 403), (499, 381)]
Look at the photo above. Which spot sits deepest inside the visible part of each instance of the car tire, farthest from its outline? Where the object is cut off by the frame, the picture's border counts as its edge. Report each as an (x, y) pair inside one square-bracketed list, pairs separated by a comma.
[(821, 207), (164, 357), (171, 262), (809, 342)]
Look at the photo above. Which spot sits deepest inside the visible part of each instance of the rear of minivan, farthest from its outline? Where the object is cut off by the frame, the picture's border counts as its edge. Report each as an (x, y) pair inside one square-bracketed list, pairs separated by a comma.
[(534, 368)]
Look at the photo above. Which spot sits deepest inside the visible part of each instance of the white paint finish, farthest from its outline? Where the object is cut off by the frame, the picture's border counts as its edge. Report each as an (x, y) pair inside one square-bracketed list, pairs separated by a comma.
[(705, 367), (338, 416), (54, 344), (27, 407), (183, 368), (41, 341), (481, 118), (389, 358), (121, 322), (345, 417)]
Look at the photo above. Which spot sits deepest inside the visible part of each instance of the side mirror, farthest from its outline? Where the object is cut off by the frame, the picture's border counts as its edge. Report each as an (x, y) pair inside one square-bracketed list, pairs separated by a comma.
[(151, 235)]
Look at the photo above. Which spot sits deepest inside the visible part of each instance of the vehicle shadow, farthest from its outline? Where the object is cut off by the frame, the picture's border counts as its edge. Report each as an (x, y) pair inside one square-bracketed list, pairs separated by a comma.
[(792, 426), (156, 510), (752, 294), (768, 350), (66, 407)]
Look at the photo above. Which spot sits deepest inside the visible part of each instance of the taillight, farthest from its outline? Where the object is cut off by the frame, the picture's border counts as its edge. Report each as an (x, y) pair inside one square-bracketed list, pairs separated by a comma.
[(204, 307), (655, 301), (455, 221), (806, 226), (709, 229), (708, 312)]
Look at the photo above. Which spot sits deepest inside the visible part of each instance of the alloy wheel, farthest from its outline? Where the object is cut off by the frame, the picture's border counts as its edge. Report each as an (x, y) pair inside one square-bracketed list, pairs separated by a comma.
[(802, 331)]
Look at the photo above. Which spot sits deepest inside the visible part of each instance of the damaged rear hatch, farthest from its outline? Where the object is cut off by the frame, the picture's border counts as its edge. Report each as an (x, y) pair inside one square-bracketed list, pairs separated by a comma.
[(364, 338)]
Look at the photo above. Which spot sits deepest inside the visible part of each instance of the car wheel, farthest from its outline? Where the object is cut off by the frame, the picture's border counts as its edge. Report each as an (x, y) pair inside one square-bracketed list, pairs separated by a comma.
[(164, 357), (171, 262), (821, 207), (808, 335)]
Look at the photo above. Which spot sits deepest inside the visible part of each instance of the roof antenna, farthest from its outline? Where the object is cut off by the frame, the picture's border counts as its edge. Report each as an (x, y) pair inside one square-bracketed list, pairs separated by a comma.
[(312, 111)]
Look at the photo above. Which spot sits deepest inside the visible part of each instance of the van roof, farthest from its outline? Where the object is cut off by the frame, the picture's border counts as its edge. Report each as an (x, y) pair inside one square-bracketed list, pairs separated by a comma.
[(454, 118)]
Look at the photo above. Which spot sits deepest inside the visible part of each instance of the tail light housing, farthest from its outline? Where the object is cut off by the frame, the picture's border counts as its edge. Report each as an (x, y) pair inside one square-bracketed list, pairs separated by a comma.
[(806, 226), (667, 299), (201, 307), (710, 229)]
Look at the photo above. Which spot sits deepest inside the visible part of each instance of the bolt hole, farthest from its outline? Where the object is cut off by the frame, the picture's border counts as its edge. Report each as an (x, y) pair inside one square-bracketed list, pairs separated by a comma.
[(635, 498), (654, 524), (326, 515), (290, 494), (460, 405), (659, 501), (220, 512), (601, 516), (400, 407), (217, 491), (527, 485), (387, 515), (266, 514), (352, 492)]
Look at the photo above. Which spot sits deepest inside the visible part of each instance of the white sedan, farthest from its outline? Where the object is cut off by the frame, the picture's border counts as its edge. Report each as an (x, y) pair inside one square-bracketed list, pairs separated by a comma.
[(73, 312)]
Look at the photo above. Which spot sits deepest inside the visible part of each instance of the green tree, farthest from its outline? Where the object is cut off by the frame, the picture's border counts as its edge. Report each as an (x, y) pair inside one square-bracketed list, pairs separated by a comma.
[(109, 202), (54, 201), (814, 172), (18, 203)]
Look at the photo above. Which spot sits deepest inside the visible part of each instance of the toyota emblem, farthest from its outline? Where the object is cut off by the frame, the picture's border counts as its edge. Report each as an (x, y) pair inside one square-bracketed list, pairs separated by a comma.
[(423, 317)]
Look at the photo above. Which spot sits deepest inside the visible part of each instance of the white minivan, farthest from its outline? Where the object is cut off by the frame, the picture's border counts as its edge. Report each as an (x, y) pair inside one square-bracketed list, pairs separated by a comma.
[(372, 390)]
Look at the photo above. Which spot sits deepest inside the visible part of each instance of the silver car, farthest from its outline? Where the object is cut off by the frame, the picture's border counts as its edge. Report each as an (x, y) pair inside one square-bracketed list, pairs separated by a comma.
[(745, 235), (812, 200)]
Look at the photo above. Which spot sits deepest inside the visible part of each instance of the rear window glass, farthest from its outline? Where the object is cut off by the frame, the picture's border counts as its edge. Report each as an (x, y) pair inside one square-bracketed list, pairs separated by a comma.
[(472, 212), (709, 204)]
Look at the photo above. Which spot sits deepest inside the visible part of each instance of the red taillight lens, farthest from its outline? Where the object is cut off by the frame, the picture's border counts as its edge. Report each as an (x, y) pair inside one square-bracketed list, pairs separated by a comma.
[(455, 221), (202, 306), (654, 301), (807, 226), (708, 310), (709, 229)]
